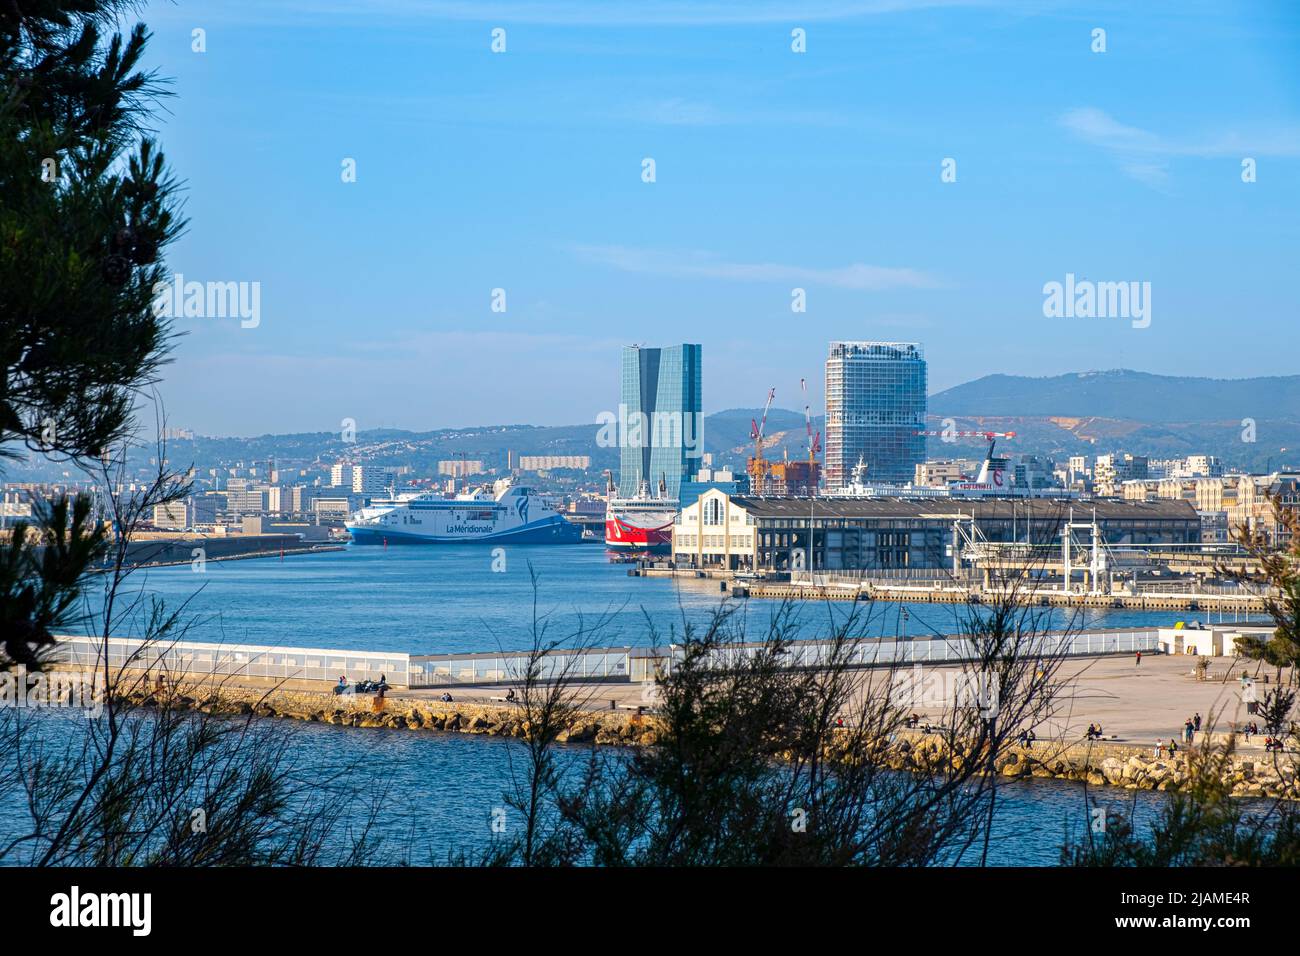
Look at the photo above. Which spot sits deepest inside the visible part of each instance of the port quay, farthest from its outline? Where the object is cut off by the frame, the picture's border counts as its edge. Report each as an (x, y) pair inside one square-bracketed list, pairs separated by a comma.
[(320, 668), (1139, 683)]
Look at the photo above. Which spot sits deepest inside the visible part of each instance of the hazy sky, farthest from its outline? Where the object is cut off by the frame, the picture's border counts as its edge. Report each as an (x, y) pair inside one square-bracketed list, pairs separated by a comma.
[(523, 171)]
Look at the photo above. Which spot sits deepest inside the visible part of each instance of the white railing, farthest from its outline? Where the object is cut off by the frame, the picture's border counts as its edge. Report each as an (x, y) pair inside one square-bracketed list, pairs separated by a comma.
[(876, 652), (449, 669), (610, 663), (196, 658)]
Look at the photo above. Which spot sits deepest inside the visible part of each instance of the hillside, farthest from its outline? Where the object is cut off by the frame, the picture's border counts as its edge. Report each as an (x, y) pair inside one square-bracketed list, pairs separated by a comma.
[(1088, 413), (1125, 394)]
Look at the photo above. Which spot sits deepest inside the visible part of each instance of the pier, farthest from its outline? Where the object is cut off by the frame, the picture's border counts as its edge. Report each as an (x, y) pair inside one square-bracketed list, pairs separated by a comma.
[(933, 586), (320, 668), (1043, 597), (1136, 704), (188, 549)]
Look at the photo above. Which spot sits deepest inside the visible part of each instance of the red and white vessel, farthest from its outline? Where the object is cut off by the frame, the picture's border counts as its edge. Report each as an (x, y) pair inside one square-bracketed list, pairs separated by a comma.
[(641, 523)]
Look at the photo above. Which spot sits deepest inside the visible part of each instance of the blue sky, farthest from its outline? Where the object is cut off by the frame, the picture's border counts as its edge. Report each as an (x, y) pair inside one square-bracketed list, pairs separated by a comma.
[(775, 170)]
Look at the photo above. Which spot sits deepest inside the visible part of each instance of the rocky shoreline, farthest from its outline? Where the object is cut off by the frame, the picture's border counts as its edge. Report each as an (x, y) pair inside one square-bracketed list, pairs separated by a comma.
[(401, 713), (1096, 764), (1117, 765)]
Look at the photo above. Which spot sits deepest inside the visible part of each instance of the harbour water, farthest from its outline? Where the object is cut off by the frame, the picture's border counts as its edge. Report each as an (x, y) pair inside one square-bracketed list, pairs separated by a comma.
[(454, 599), (442, 788), (437, 793), (442, 791)]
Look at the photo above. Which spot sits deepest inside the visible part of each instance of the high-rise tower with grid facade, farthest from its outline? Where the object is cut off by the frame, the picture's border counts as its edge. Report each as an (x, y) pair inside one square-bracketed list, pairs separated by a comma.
[(875, 405)]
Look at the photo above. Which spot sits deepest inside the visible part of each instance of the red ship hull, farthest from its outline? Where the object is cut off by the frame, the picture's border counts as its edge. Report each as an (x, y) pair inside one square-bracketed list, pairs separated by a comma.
[(622, 536)]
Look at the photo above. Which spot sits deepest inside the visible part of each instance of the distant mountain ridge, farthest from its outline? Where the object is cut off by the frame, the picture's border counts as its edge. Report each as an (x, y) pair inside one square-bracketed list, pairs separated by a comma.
[(1124, 394), (1086, 413)]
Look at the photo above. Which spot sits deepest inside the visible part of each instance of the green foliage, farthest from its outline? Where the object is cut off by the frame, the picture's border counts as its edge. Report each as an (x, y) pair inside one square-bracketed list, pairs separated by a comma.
[(86, 206), (755, 762), (42, 575)]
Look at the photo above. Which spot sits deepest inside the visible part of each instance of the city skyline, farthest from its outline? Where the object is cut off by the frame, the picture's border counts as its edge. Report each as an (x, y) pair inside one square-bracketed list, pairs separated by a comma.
[(774, 171)]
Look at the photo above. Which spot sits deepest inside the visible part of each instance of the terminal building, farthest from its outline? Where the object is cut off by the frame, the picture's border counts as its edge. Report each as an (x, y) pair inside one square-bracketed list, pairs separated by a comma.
[(743, 533)]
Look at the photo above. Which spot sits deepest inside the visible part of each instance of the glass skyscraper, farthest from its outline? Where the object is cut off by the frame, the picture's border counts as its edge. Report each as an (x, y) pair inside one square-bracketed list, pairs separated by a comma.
[(661, 414), (875, 405)]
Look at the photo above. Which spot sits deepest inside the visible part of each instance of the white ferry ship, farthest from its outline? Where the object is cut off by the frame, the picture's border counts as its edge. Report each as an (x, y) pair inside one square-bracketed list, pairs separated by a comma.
[(513, 514)]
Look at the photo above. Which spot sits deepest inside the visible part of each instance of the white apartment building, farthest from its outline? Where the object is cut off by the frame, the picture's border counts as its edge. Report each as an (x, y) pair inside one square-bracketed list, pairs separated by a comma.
[(370, 480), (341, 475)]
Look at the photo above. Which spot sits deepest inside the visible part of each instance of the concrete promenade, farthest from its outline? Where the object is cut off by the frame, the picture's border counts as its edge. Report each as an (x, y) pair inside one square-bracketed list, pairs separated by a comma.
[(1135, 704)]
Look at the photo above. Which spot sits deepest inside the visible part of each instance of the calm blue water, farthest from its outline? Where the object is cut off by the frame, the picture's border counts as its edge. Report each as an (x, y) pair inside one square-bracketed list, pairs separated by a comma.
[(431, 600), (444, 789), (439, 792)]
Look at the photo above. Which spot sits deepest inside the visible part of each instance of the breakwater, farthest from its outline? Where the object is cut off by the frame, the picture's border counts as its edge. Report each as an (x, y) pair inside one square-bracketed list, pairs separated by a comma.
[(198, 550), (395, 712), (1100, 763), (1103, 763)]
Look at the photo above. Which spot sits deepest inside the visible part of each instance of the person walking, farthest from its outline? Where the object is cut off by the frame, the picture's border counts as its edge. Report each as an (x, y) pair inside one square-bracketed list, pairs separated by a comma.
[(1196, 722), (1139, 659)]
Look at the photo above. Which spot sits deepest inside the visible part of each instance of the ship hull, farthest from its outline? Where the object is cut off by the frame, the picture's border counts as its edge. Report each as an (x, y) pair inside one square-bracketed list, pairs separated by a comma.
[(557, 531), (621, 535)]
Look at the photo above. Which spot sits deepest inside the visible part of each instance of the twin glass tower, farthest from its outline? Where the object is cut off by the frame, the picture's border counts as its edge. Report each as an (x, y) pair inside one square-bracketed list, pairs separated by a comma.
[(663, 438)]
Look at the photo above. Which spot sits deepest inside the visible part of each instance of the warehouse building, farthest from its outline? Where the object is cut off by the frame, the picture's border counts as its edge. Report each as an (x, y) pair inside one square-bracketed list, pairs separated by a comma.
[(744, 533)]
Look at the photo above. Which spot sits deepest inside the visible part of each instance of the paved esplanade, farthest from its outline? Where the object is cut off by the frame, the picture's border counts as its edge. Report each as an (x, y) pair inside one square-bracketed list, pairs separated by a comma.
[(1135, 704)]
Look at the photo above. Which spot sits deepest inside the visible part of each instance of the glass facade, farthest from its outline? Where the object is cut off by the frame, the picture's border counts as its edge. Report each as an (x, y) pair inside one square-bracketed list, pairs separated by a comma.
[(875, 405), (662, 414)]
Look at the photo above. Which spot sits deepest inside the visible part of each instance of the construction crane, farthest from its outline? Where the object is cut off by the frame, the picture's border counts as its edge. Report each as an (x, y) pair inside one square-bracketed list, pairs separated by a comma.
[(756, 429)]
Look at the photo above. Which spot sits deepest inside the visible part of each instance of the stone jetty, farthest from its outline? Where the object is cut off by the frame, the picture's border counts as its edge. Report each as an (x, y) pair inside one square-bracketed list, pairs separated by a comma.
[(1095, 763)]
